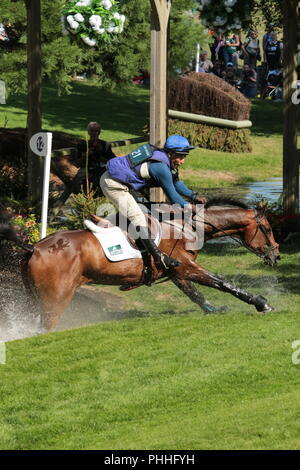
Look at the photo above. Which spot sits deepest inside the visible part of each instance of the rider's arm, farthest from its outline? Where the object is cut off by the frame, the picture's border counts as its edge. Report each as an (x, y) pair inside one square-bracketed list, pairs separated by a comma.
[(162, 176), (182, 189)]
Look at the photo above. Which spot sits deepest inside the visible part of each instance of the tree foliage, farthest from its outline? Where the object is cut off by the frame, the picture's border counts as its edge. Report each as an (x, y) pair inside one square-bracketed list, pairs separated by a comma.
[(59, 58), (110, 63), (245, 10)]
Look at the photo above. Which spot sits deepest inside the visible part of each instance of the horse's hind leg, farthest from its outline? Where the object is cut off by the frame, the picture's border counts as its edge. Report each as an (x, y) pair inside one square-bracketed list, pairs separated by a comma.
[(195, 273), (53, 308), (188, 288)]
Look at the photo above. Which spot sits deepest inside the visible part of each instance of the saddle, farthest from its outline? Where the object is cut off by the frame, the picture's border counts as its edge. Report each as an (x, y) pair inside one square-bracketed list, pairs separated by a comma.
[(135, 249)]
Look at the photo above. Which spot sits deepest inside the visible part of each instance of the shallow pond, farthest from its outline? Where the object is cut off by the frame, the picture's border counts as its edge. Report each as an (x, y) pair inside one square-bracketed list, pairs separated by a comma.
[(270, 190)]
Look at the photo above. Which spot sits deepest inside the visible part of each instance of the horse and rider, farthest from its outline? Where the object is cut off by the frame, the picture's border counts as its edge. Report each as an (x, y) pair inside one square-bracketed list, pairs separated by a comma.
[(57, 265), (160, 169)]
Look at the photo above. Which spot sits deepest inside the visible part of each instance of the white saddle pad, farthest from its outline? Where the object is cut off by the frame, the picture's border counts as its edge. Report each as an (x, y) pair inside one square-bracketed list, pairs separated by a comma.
[(114, 243)]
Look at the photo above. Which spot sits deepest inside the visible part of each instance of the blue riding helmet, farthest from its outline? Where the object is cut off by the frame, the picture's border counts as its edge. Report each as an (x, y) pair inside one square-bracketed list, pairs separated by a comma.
[(178, 144)]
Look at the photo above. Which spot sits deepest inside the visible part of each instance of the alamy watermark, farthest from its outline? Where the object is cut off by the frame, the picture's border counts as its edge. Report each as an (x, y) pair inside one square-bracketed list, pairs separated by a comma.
[(2, 353), (179, 223), (296, 94), (2, 92), (296, 353)]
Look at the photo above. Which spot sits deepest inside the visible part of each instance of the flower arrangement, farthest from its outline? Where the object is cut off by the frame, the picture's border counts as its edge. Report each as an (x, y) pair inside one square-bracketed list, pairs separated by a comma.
[(226, 15), (92, 20), (26, 227)]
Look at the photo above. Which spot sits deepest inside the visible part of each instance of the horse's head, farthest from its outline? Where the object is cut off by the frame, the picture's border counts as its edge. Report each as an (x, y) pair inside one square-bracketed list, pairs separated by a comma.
[(259, 238)]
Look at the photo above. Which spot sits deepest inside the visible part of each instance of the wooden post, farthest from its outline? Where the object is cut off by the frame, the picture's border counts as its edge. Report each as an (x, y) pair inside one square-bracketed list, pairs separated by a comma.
[(290, 153), (160, 11), (34, 117)]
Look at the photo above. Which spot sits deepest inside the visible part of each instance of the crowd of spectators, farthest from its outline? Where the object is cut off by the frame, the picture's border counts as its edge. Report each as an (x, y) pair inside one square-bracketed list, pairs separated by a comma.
[(252, 65)]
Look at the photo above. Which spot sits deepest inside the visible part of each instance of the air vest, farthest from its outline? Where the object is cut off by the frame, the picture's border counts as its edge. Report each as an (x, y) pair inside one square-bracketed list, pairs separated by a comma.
[(120, 170)]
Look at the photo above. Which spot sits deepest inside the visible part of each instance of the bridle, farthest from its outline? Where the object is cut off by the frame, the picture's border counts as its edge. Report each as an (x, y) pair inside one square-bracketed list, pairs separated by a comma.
[(260, 226)]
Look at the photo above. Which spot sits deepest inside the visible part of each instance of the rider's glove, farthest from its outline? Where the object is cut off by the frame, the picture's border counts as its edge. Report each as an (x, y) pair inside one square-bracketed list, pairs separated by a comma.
[(196, 199)]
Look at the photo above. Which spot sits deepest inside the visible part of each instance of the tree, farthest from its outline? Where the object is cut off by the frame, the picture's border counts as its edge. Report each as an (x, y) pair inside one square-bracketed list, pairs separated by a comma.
[(59, 58), (117, 62)]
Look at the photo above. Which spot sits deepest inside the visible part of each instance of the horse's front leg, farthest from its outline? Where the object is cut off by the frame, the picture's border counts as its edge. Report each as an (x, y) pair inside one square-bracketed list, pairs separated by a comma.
[(188, 288), (195, 273)]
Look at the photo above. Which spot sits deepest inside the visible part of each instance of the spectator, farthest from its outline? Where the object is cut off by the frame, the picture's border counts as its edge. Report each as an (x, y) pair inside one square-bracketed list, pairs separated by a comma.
[(273, 52), (236, 54), (248, 82), (205, 63), (3, 34), (232, 42), (8, 36), (99, 152), (229, 75), (214, 44), (220, 47), (251, 50), (267, 35), (218, 69)]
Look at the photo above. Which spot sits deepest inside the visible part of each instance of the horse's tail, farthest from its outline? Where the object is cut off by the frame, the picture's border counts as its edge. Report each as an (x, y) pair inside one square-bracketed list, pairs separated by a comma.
[(7, 233)]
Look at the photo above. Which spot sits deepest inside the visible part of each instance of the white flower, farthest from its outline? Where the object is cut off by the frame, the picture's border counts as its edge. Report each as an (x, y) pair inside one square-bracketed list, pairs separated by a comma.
[(74, 25), (83, 3), (95, 20), (70, 19), (116, 29), (78, 17), (123, 18), (116, 15), (89, 42), (230, 3), (220, 20), (106, 4), (110, 29), (229, 10)]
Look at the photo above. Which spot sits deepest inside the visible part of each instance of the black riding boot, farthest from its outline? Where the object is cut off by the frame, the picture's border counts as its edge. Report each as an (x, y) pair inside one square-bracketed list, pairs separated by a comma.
[(161, 260)]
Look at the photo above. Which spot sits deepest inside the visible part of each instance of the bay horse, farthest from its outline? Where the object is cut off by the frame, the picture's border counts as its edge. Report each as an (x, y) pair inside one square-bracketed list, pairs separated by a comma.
[(58, 264)]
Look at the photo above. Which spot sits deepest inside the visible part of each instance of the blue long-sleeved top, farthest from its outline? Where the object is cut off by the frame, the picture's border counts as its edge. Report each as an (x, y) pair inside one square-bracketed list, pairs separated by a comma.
[(173, 188), (160, 173)]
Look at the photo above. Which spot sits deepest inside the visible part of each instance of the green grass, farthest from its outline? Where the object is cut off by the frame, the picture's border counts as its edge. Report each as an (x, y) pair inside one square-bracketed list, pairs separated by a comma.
[(168, 377), (122, 112)]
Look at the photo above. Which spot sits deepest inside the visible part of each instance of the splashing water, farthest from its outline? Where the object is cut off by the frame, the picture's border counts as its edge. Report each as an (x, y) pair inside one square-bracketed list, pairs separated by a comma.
[(18, 319)]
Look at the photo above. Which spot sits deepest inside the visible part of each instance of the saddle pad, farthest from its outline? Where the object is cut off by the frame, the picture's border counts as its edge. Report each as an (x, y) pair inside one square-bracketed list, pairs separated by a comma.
[(114, 242)]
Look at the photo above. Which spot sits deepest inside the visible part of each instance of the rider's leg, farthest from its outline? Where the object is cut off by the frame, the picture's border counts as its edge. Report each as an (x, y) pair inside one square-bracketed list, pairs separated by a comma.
[(161, 260), (119, 195)]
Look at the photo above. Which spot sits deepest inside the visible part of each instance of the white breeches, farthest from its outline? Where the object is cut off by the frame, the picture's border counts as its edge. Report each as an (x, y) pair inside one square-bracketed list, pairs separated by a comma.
[(123, 201)]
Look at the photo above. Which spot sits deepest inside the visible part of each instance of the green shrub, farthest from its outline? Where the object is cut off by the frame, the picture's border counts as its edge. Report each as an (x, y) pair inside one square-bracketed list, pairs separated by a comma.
[(82, 206), (212, 137)]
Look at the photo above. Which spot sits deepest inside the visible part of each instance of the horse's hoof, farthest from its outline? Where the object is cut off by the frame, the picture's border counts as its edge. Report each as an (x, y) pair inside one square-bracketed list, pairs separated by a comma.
[(267, 309), (261, 304)]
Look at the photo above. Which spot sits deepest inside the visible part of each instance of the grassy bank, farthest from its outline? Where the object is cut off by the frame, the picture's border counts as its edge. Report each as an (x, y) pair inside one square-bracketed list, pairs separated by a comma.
[(124, 112), (168, 377)]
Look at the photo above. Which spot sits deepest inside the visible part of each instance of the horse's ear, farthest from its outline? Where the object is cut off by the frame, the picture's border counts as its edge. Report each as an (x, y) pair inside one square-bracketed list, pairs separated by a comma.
[(261, 206)]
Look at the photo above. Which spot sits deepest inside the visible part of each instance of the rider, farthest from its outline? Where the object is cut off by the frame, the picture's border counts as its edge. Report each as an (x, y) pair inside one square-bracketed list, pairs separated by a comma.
[(161, 169)]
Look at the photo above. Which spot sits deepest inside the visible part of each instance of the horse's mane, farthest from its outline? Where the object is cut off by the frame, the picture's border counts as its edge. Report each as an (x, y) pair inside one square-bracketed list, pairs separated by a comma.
[(225, 201)]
